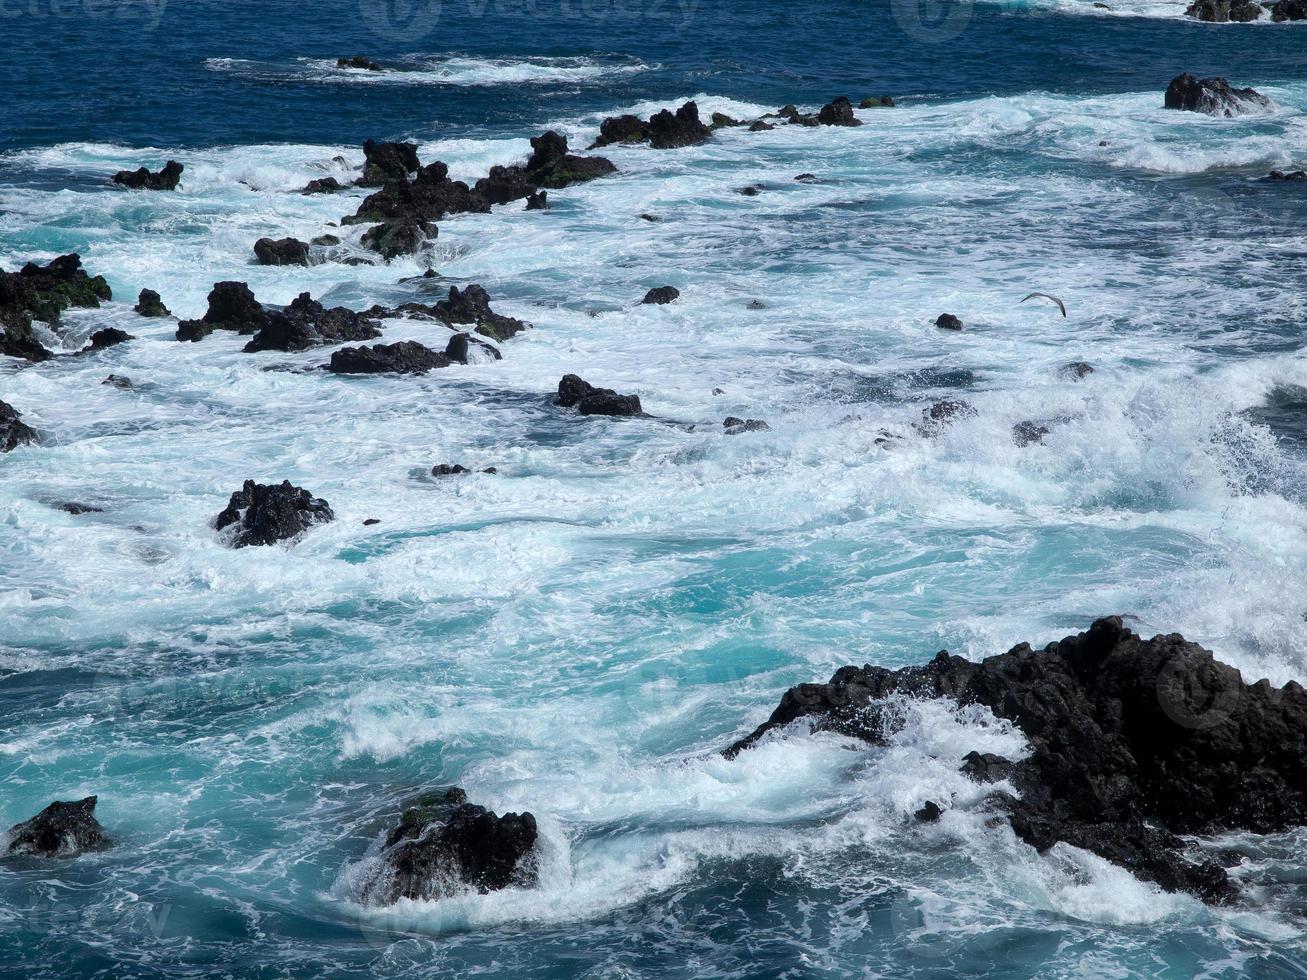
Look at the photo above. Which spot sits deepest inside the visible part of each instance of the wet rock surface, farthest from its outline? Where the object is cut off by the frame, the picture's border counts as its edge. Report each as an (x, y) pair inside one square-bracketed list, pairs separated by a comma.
[(263, 514)]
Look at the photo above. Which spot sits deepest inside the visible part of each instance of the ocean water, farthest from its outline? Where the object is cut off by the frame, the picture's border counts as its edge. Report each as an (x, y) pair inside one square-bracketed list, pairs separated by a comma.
[(579, 634)]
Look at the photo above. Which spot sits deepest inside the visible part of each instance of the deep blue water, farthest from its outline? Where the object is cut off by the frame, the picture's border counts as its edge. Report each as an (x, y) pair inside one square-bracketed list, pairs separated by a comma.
[(581, 633)]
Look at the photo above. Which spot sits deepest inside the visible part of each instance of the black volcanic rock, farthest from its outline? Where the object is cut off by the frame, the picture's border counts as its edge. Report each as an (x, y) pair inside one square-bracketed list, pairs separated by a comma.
[(388, 161), (232, 306), (665, 130), (1223, 11), (1289, 10), (1133, 742), (430, 196), (307, 323), (661, 296), (539, 201), (589, 400), (323, 185), (1213, 96), (108, 337), (461, 346), (165, 180), (43, 292), (552, 166), (472, 306), (947, 321), (444, 845), (838, 113), (281, 251), (504, 184), (359, 61), (735, 426), (1076, 370), (60, 830), (13, 431), (263, 514), (149, 304), (403, 236), (405, 357)]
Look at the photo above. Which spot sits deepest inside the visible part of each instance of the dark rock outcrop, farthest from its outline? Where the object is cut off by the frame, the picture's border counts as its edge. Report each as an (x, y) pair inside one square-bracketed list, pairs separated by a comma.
[(457, 469), (1213, 96), (388, 161), (405, 357), (165, 180), (118, 381), (1287, 175), (1223, 11), (14, 432), (444, 844), (1076, 370), (281, 251), (734, 426), (307, 323), (472, 306), (1133, 742), (539, 201), (43, 292), (232, 306), (263, 514), (148, 303), (323, 185), (661, 296), (403, 236), (589, 400), (937, 416), (665, 130), (430, 196), (504, 184), (461, 347), (551, 165), (60, 830), (947, 321), (108, 337), (884, 101), (839, 112), (359, 61), (1289, 10)]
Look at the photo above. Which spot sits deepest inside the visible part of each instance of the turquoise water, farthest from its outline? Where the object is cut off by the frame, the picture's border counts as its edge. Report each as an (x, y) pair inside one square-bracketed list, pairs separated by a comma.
[(580, 634)]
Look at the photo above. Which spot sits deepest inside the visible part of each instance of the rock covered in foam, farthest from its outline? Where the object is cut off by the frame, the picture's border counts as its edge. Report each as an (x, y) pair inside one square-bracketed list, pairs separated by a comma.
[(1213, 96), (43, 292), (60, 830), (14, 432), (444, 845), (1133, 742), (263, 514)]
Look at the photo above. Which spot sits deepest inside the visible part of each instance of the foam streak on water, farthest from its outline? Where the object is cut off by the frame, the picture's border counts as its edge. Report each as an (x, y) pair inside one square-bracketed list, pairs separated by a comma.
[(580, 633)]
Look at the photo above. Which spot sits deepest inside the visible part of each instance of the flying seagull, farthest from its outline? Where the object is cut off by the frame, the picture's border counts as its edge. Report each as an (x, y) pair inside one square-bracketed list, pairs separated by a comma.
[(1060, 305)]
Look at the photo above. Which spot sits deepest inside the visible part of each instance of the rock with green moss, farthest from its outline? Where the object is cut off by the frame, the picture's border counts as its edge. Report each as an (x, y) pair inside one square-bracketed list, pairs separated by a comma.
[(43, 292)]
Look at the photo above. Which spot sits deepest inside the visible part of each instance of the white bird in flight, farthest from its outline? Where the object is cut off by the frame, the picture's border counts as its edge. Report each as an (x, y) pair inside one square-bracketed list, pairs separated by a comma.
[(1060, 305)]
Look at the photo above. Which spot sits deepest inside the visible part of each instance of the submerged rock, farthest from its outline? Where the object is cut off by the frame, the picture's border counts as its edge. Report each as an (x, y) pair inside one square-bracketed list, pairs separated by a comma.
[(359, 61), (60, 830), (472, 306), (1287, 175), (1213, 96), (1133, 742), (282, 251), (1076, 370), (307, 323), (13, 431), (43, 292), (589, 400), (734, 426), (405, 357), (165, 180), (118, 381), (661, 296), (263, 514), (884, 101), (444, 845), (148, 303), (1029, 433), (457, 469), (232, 306)]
